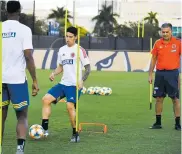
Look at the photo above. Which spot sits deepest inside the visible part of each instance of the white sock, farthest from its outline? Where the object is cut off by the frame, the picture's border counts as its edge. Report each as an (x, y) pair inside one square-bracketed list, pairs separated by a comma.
[(20, 147)]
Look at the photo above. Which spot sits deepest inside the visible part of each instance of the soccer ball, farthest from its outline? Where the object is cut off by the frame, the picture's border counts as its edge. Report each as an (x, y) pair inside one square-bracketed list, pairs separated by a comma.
[(102, 91), (105, 91), (108, 91), (97, 90), (36, 131), (90, 90), (84, 90)]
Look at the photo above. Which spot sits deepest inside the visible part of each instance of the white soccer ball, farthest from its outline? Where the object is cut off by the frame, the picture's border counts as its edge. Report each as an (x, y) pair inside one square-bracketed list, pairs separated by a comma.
[(102, 91), (108, 91), (36, 131), (84, 90), (97, 90), (90, 90), (105, 91)]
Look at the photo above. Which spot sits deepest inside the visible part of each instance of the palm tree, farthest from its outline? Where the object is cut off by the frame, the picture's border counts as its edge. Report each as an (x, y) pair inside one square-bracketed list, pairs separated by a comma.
[(105, 21), (151, 18), (59, 13)]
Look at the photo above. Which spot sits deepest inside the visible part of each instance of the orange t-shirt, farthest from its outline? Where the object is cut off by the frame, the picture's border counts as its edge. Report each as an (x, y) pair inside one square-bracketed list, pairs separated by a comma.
[(168, 54)]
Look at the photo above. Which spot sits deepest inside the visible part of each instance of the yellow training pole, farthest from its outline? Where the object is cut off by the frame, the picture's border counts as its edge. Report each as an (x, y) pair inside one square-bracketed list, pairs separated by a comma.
[(150, 83), (77, 78), (143, 28), (138, 29), (1, 87), (66, 24)]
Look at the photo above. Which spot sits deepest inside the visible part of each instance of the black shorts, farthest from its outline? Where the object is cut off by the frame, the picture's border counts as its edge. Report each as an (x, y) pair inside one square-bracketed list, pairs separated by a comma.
[(166, 82)]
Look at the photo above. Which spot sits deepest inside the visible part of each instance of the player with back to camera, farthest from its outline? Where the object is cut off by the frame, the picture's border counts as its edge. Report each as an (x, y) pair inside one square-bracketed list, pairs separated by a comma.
[(16, 56)]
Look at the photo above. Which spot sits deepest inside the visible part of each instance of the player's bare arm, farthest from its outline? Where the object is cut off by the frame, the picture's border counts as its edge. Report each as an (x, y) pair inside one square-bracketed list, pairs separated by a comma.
[(87, 72), (152, 66), (57, 71), (85, 75), (31, 68)]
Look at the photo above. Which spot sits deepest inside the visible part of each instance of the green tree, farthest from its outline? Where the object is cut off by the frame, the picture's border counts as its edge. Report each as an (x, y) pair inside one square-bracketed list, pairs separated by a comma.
[(152, 19), (59, 13), (134, 27), (123, 30), (105, 21), (151, 30), (130, 29), (40, 27), (27, 19)]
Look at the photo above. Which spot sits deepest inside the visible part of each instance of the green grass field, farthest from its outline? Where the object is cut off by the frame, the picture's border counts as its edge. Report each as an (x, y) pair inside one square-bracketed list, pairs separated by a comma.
[(126, 113)]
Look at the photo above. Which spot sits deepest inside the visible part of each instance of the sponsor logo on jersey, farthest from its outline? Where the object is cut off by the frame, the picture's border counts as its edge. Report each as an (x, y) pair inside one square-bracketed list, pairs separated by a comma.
[(67, 61), (9, 35)]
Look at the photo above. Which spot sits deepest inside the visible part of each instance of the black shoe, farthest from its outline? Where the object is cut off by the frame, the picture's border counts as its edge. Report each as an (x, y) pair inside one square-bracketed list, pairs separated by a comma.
[(155, 126), (178, 127)]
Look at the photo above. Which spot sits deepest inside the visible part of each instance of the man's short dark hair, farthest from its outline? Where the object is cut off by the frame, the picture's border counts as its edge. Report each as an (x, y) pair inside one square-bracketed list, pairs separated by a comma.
[(167, 25), (13, 6), (72, 30)]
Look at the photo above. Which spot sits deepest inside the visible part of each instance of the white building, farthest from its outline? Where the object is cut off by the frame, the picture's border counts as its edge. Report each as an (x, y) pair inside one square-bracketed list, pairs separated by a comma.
[(129, 10), (136, 10)]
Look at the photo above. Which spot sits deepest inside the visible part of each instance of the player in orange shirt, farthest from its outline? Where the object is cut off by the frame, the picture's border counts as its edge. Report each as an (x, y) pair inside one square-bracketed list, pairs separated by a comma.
[(166, 57)]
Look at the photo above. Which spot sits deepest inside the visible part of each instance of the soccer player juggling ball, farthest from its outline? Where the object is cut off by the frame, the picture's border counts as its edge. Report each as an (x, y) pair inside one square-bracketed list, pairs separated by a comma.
[(67, 62)]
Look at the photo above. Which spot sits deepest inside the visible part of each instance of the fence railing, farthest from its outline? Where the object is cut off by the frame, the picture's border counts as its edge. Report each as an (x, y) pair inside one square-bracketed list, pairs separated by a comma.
[(97, 43)]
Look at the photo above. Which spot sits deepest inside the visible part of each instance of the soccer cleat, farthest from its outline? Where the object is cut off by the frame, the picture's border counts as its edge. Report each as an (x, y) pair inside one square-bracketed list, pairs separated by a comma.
[(75, 138), (46, 133), (155, 126), (20, 150), (178, 127)]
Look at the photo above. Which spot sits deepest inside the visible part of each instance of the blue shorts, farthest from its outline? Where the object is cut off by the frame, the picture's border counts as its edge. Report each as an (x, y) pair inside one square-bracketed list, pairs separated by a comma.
[(17, 94), (166, 82), (60, 91)]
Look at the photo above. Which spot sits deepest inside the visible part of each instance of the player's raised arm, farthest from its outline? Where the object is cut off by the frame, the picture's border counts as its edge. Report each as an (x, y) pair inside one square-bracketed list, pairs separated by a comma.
[(27, 45)]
